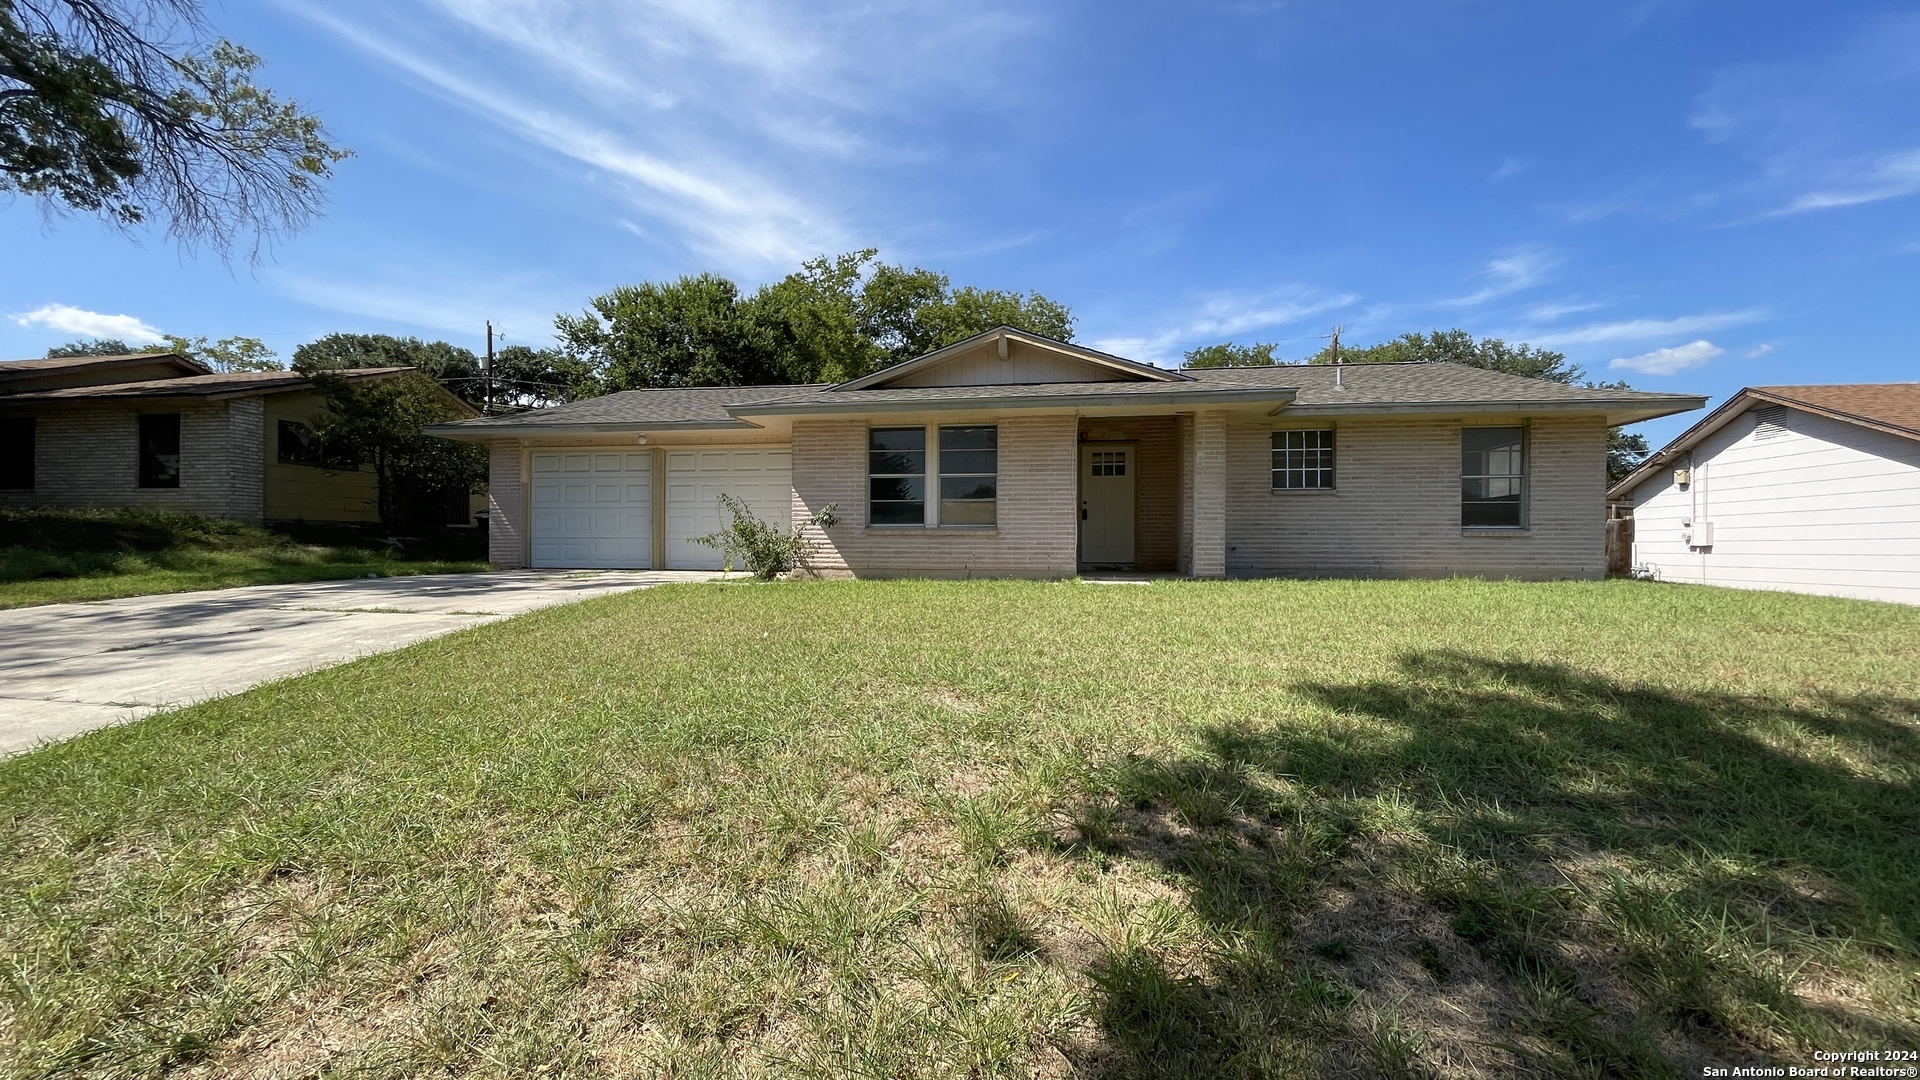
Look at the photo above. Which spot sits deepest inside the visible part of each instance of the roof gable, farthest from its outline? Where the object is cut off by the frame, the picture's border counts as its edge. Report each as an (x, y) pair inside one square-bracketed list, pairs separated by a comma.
[(1005, 356), (1890, 407)]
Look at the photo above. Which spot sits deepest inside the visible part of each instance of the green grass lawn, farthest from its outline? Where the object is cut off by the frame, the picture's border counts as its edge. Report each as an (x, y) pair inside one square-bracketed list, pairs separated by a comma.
[(1001, 829), (49, 556)]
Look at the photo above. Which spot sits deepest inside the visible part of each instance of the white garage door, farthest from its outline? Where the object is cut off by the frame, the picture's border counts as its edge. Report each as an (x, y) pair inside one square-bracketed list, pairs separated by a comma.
[(761, 478), (593, 509)]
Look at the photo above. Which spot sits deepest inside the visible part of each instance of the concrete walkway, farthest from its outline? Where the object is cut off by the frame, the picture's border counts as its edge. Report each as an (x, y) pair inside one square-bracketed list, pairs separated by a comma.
[(69, 668)]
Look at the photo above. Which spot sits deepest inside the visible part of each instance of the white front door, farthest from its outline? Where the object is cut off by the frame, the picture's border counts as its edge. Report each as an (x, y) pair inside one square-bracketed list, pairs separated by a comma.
[(1106, 503), (760, 477), (593, 509)]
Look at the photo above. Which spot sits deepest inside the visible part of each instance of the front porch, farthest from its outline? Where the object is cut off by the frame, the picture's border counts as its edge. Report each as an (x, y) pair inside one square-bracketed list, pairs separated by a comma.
[(1139, 488)]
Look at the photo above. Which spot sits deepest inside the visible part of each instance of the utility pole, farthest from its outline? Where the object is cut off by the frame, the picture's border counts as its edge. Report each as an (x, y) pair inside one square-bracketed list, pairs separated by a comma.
[(486, 374)]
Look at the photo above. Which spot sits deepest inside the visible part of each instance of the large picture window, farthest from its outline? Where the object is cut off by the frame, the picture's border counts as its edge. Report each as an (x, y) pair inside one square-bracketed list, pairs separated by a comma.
[(1493, 478), (1303, 460), (160, 450), (16, 453), (897, 476), (969, 475)]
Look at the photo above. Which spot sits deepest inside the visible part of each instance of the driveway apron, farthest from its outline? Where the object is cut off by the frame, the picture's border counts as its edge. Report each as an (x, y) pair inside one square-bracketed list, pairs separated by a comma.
[(69, 668)]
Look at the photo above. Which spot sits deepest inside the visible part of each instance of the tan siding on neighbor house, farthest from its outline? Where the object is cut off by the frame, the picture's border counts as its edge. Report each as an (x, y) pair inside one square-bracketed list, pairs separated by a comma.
[(1396, 507), (506, 506), (308, 492), (1213, 472), (88, 455), (1038, 506)]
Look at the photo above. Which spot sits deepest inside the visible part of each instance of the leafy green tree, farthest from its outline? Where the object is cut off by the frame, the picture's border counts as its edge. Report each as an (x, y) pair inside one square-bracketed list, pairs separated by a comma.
[(529, 378), (697, 331), (1460, 347), (1227, 354), (453, 367), (123, 108), (379, 420), (228, 354), (833, 319), (97, 347)]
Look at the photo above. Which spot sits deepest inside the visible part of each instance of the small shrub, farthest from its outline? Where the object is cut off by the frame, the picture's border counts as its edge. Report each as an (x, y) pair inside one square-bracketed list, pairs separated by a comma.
[(764, 550)]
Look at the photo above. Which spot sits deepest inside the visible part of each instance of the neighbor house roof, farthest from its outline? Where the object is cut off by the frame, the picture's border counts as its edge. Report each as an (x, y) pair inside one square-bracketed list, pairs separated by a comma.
[(1890, 407), (13, 369), (210, 386)]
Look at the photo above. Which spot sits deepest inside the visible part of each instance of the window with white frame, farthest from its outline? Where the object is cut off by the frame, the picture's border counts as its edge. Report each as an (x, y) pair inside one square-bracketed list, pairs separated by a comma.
[(1493, 478), (969, 475), (897, 476), (1303, 460)]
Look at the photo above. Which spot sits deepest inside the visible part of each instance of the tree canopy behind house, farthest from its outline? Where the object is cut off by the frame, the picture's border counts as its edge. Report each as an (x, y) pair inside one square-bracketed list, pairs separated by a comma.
[(132, 110), (835, 318), (1624, 451), (453, 367), (225, 355)]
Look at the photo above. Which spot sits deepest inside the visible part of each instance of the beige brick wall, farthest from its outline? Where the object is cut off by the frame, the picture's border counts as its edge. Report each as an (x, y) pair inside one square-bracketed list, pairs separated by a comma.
[(1214, 469), (1156, 529), (88, 455), (1396, 508), (1037, 534), (506, 506), (308, 492)]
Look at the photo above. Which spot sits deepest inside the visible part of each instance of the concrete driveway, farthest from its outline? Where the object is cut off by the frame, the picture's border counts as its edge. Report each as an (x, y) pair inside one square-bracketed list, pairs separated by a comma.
[(69, 668)]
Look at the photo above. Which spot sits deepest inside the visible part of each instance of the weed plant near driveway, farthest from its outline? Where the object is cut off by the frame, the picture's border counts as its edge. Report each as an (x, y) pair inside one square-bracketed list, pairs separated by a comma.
[(1001, 829), (49, 556)]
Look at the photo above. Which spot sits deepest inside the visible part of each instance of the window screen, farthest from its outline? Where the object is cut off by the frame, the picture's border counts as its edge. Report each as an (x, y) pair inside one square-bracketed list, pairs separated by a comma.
[(1302, 460), (969, 475), (1493, 478), (160, 450), (897, 476)]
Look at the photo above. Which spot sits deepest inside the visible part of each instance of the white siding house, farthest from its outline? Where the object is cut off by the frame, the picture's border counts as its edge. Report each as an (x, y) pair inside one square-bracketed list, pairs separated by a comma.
[(1802, 489)]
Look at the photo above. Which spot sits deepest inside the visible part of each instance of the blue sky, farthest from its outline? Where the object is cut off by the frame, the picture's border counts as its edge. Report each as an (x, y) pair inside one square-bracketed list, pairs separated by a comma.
[(1693, 196)]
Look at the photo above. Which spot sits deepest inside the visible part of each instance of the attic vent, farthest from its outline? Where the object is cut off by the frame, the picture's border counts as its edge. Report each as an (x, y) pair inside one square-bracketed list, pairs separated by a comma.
[(1770, 422)]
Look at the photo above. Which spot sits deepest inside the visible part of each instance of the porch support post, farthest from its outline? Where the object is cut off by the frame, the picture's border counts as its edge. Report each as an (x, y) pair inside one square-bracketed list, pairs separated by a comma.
[(1210, 495)]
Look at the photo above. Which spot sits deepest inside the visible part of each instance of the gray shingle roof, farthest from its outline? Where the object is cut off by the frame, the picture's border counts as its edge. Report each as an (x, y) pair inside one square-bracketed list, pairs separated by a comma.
[(1309, 389)]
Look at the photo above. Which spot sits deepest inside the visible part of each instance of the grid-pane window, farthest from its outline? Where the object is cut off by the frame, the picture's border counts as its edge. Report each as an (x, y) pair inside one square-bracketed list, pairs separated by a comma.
[(1493, 478), (897, 476), (969, 475), (160, 450), (1302, 460), (16, 453)]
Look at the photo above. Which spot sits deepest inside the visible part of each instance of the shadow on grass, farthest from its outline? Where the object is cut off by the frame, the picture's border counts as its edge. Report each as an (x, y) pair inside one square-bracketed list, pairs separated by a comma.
[(1627, 881)]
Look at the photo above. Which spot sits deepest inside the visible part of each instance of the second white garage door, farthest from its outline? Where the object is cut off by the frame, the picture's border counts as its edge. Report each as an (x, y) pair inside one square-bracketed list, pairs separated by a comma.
[(761, 478)]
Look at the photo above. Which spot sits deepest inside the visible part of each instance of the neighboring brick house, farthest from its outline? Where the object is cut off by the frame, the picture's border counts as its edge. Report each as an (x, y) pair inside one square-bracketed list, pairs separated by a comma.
[(162, 432), (1009, 454)]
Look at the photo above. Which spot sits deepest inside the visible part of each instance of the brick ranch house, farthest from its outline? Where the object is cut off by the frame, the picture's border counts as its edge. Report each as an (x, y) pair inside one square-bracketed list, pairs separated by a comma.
[(1009, 454), (159, 431)]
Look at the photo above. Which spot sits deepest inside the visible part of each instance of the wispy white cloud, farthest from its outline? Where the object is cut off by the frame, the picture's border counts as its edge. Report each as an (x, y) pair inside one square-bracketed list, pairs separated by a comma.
[(1670, 360), (449, 306), (1889, 177), (1505, 275), (1640, 329), (1759, 351), (730, 211), (72, 320), (1509, 167), (1556, 311), (1222, 316)]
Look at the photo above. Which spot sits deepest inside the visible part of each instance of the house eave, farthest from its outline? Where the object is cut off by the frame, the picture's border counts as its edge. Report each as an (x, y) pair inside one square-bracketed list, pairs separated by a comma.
[(1616, 411), (487, 430), (1139, 403)]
